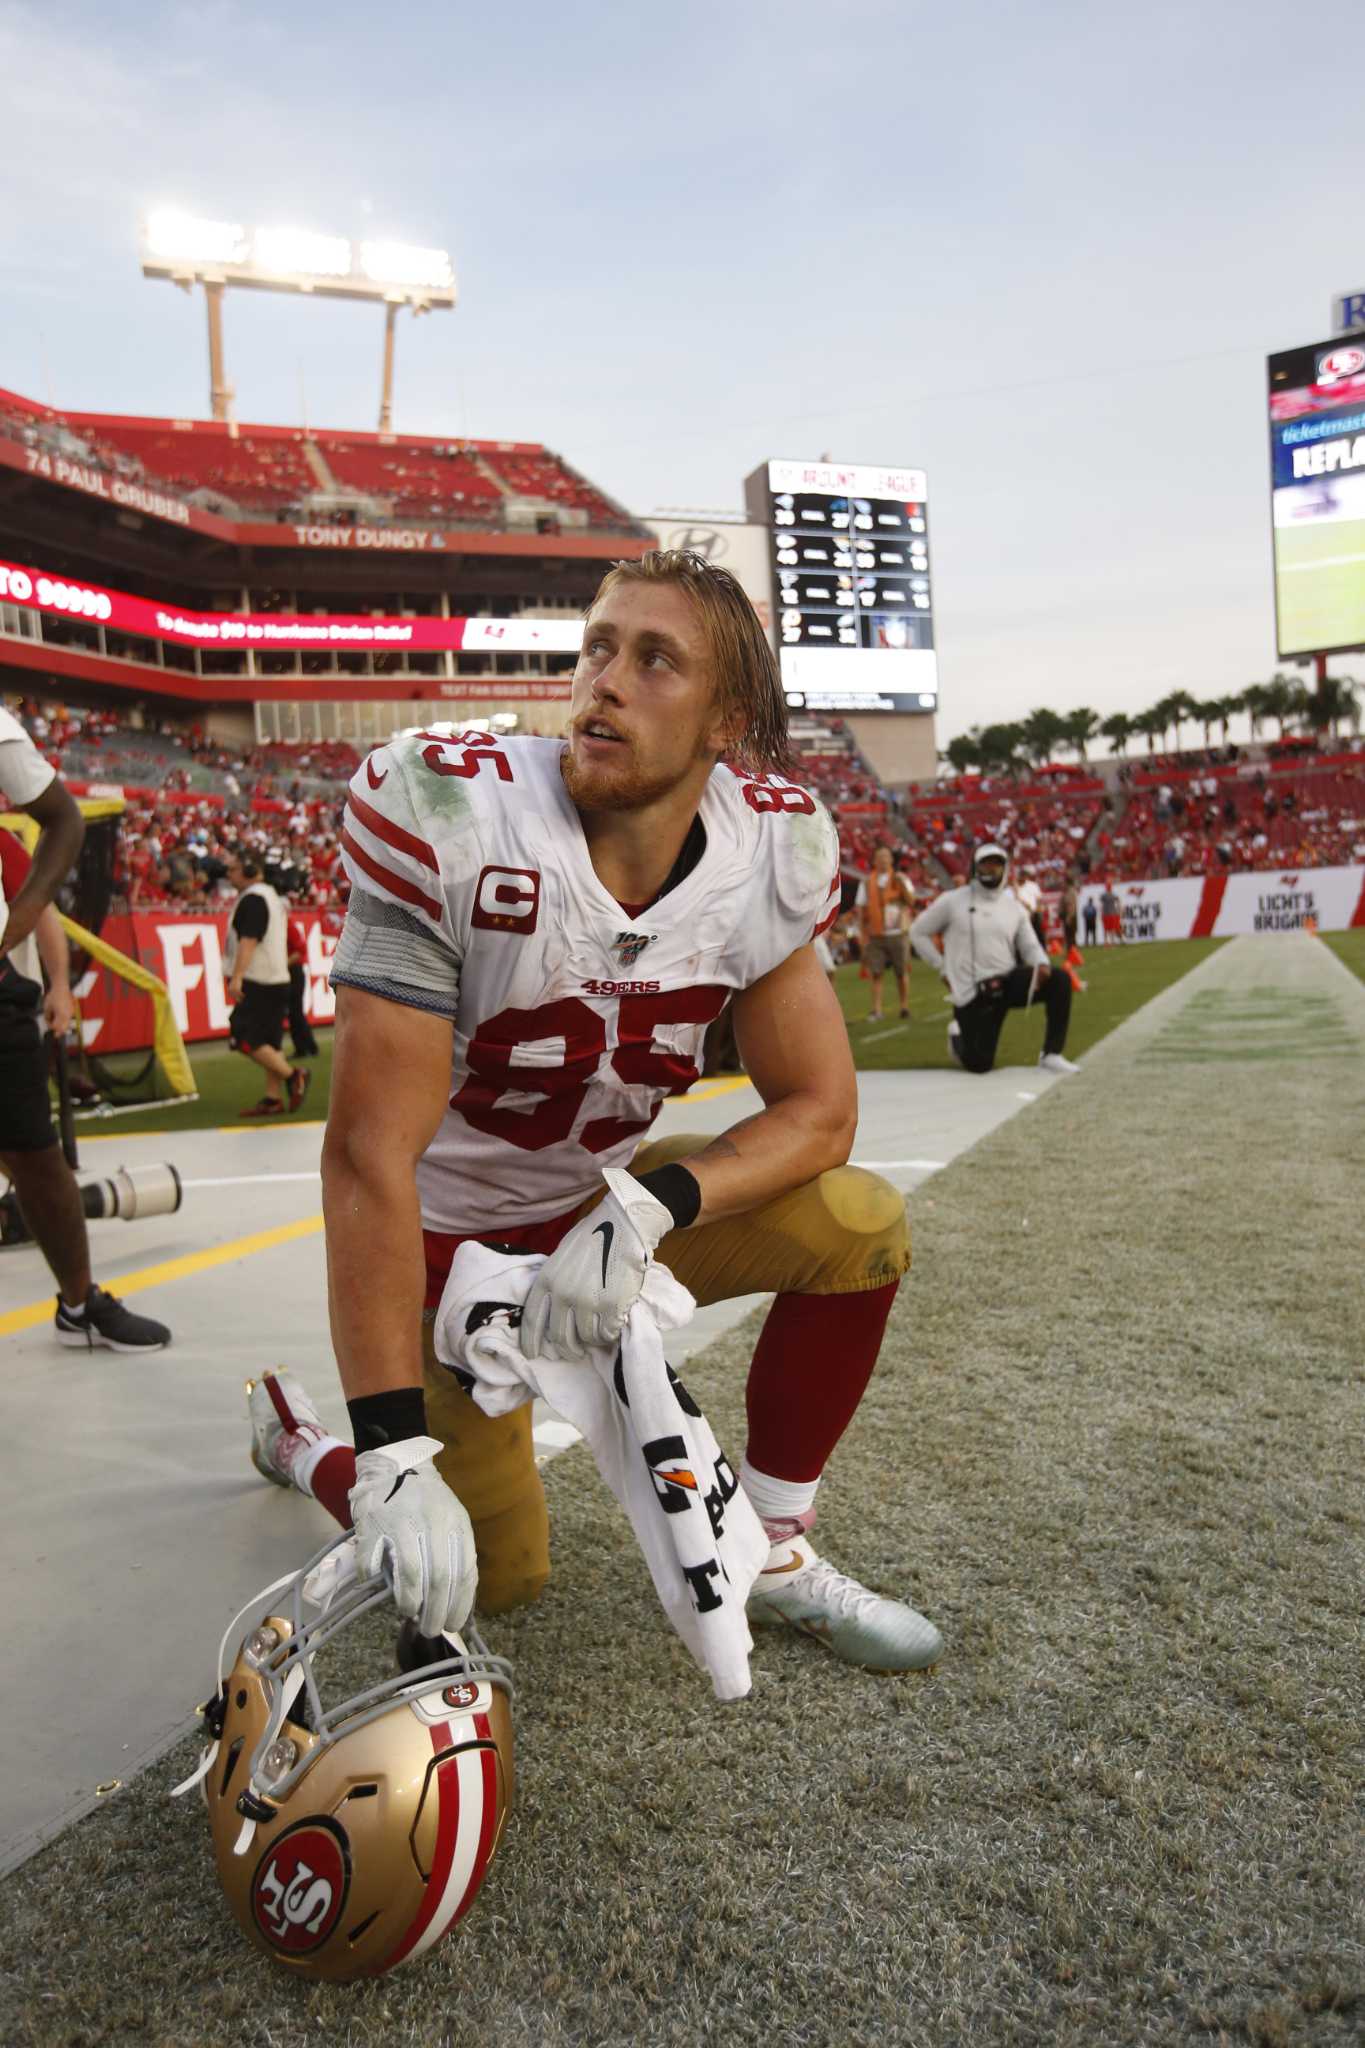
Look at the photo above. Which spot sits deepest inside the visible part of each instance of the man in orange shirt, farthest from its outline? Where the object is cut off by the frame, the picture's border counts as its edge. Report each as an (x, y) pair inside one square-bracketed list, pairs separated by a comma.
[(886, 900)]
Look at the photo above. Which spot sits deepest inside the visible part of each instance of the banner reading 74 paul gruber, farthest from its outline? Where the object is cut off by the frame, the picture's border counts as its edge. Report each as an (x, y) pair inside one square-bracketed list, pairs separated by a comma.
[(1317, 462)]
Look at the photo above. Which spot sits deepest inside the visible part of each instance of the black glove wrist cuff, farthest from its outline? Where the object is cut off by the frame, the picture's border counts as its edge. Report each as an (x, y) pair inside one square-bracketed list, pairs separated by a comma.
[(387, 1418), (677, 1189)]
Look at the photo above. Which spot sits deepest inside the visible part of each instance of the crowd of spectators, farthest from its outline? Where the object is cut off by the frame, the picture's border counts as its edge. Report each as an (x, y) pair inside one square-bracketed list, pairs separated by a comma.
[(192, 801), (1300, 813)]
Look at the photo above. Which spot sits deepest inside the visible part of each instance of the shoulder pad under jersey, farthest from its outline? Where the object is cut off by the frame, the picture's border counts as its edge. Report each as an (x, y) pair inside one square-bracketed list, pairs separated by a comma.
[(804, 847), (436, 786)]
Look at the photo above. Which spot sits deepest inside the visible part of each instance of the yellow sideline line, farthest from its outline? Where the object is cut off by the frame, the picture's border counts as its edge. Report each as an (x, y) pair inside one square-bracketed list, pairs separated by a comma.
[(172, 1269), (243, 1247), (709, 1093)]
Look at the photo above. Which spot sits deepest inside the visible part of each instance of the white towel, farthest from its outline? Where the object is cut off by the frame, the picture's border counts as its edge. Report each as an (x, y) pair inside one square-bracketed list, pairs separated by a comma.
[(701, 1538)]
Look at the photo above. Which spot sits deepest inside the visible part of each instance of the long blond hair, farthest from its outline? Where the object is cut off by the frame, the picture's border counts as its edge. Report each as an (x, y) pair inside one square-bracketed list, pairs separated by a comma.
[(748, 686)]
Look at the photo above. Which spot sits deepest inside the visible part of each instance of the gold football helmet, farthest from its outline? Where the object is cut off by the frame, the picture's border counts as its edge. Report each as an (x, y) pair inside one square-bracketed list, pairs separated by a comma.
[(352, 1838)]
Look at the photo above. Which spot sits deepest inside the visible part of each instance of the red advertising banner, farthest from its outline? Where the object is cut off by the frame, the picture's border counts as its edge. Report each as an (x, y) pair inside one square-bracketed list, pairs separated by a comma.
[(186, 951), (35, 589)]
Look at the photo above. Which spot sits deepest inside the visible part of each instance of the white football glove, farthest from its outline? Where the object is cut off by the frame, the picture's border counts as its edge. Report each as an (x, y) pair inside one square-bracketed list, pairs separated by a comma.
[(587, 1287), (406, 1516)]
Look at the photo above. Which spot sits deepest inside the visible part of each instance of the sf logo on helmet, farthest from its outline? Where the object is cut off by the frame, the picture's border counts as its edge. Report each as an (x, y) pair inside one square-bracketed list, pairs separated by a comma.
[(300, 1888)]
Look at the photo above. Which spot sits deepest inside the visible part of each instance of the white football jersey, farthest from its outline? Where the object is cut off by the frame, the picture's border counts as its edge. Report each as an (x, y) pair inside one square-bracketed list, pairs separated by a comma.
[(474, 896)]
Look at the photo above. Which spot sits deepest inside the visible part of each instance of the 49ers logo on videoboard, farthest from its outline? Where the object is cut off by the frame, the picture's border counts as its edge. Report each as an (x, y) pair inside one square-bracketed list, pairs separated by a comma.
[(506, 900), (300, 1886)]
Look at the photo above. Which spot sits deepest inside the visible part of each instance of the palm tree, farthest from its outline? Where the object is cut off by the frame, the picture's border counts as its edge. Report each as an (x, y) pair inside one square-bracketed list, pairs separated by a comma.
[(1213, 711), (1118, 729), (964, 752), (1184, 711), (1044, 731), (1151, 722), (1078, 729), (1254, 700), (1332, 704), (1001, 746), (1284, 699)]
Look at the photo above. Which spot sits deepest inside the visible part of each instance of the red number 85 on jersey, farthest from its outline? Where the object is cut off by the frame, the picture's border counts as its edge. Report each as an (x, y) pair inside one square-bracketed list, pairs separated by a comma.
[(565, 1087)]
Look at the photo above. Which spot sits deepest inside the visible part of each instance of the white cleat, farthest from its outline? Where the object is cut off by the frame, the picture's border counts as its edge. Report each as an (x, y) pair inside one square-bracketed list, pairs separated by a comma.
[(1057, 1063), (283, 1423), (862, 1627)]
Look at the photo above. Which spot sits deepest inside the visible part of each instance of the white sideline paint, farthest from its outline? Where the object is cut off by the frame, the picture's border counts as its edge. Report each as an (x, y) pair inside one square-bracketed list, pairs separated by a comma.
[(252, 1180)]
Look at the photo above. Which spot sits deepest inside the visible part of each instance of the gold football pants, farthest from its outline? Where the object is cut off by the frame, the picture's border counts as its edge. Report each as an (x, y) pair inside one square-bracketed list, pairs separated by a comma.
[(841, 1234)]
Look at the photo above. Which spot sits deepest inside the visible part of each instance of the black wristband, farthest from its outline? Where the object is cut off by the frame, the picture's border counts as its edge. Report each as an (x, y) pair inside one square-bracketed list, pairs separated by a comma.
[(677, 1189), (388, 1418)]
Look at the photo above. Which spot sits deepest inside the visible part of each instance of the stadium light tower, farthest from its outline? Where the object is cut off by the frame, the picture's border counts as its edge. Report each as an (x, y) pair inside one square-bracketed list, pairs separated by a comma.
[(218, 253)]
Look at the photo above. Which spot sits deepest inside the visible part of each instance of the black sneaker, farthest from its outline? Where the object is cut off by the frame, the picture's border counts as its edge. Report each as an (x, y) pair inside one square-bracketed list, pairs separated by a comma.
[(104, 1323), (269, 1105)]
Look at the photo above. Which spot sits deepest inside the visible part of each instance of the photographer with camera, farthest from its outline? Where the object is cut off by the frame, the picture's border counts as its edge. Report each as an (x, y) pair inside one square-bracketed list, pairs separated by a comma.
[(992, 962), (31, 939)]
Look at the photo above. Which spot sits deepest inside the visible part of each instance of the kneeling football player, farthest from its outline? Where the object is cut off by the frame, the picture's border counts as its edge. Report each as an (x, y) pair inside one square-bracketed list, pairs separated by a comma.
[(539, 933)]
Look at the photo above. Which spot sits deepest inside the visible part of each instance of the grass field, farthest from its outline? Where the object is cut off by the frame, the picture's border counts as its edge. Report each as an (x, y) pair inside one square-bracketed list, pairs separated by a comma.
[(1350, 948), (1114, 1447), (1119, 980), (1319, 585)]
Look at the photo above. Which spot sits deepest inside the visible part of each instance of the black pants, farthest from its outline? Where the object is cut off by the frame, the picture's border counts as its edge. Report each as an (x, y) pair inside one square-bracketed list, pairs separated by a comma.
[(980, 1021), (1092, 926), (300, 1030)]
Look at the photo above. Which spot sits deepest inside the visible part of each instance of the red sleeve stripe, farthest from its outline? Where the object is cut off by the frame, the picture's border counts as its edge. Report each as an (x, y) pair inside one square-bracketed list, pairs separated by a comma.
[(392, 884), (825, 922), (383, 828)]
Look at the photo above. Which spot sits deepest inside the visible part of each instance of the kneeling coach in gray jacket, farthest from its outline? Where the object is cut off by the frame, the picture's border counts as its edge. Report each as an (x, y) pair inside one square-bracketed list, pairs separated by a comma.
[(992, 962)]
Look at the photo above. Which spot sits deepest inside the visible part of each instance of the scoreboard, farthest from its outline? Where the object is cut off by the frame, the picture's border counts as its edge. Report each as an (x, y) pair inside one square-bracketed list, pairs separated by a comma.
[(853, 606), (1317, 480)]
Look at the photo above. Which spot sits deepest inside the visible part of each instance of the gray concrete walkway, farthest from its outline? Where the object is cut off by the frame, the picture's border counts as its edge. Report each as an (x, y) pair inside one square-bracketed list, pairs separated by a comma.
[(132, 1522)]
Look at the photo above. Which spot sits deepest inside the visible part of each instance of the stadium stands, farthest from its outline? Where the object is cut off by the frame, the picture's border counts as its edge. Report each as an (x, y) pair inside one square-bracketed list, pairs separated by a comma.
[(530, 472), (420, 479), (1045, 828), (1263, 815), (191, 799), (278, 470), (258, 468)]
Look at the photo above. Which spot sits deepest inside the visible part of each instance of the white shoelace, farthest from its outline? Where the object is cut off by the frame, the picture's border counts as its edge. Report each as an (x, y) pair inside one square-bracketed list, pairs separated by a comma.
[(834, 1589)]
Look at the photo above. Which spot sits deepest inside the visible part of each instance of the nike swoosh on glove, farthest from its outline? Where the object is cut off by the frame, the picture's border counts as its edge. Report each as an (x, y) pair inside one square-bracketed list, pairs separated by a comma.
[(587, 1287), (406, 1517)]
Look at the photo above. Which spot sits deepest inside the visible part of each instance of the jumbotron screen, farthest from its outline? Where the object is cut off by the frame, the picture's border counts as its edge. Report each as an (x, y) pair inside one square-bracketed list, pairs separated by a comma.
[(1317, 462), (853, 609)]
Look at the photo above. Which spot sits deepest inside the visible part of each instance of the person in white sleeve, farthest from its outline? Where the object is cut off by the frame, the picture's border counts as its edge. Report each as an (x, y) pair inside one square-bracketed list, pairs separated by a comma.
[(86, 1317), (992, 962)]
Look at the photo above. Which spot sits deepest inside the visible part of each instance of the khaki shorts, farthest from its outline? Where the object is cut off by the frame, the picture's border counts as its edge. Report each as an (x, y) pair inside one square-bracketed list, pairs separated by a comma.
[(888, 949)]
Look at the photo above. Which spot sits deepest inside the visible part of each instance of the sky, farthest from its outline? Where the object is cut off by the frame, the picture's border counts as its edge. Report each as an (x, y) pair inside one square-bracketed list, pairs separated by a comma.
[(1040, 252)]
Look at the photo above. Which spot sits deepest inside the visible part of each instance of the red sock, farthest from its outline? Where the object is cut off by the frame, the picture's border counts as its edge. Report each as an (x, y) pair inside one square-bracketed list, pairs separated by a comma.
[(813, 1362), (331, 1483)]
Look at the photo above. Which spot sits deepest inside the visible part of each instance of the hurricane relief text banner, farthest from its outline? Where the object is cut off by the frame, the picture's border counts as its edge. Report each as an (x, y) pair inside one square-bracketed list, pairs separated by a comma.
[(37, 589), (187, 952), (1226, 906)]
